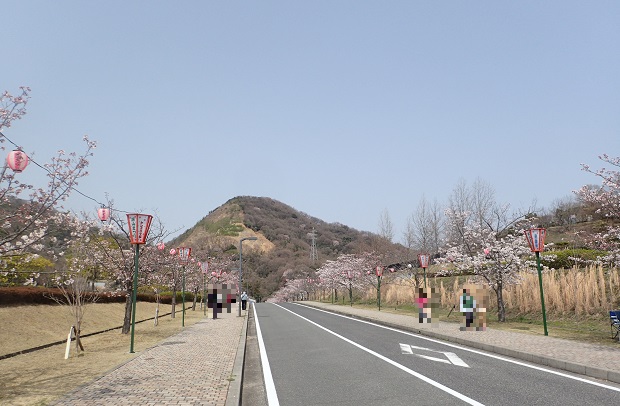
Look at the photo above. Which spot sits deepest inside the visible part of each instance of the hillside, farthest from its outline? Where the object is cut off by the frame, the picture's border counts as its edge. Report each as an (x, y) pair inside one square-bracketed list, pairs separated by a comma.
[(284, 240)]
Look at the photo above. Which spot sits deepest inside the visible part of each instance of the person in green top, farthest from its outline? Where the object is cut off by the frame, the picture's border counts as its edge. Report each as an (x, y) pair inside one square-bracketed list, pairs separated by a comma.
[(468, 308)]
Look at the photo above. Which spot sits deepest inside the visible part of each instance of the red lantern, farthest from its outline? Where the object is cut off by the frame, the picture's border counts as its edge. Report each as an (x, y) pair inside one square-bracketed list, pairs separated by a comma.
[(536, 239), (424, 259), (184, 254), (379, 271), (103, 213), (17, 160), (139, 225)]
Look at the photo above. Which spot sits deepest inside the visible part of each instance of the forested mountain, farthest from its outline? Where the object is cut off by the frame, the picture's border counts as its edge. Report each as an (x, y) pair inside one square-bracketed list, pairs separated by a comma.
[(283, 248)]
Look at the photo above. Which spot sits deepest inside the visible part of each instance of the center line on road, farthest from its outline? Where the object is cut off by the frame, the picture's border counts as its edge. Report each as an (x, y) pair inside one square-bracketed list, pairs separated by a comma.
[(389, 361)]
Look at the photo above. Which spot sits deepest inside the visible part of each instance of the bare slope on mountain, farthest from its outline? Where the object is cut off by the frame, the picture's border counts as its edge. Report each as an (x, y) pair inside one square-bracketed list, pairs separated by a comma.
[(284, 240)]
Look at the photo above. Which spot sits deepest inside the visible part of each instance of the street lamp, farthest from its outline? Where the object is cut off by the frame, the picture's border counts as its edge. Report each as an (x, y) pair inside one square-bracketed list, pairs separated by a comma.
[(536, 240), (139, 225), (379, 272), (241, 270), (423, 260), (184, 254)]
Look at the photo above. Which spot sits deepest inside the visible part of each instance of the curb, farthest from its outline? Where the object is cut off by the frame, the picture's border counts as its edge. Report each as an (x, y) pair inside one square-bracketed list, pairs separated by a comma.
[(233, 398), (593, 372)]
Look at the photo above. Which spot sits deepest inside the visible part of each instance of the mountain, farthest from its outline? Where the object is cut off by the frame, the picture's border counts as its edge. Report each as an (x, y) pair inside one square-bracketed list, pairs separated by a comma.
[(284, 240)]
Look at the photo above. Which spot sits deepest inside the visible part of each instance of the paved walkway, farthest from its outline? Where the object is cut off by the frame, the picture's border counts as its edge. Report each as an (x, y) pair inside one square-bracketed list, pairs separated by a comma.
[(202, 365), (597, 361)]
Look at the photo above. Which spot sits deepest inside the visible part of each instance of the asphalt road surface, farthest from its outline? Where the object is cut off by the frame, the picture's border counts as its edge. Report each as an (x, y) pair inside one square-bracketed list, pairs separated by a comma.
[(312, 357)]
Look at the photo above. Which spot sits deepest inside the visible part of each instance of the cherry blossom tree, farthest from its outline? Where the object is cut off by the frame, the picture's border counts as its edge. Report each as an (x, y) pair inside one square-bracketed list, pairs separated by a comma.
[(117, 256), (607, 198), (29, 215), (485, 238), (73, 284)]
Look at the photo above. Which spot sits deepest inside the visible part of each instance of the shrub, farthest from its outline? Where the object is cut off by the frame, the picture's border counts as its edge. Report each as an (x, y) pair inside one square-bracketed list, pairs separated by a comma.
[(564, 259)]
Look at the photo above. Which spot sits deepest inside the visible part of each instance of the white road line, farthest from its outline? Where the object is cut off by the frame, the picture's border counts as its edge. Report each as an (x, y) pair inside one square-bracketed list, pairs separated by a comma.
[(436, 384), (576, 378), (270, 387)]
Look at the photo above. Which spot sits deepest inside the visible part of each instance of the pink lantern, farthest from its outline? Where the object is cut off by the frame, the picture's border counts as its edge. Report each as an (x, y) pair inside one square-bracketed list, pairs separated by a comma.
[(161, 246), (424, 259), (214, 274), (139, 225), (103, 214), (17, 160), (173, 252), (379, 271), (536, 239)]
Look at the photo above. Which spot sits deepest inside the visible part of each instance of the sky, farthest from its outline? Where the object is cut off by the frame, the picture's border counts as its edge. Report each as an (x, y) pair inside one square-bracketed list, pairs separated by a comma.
[(340, 109)]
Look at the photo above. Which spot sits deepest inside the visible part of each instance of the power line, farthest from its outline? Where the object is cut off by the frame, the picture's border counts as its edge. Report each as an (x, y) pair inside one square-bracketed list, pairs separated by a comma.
[(65, 183)]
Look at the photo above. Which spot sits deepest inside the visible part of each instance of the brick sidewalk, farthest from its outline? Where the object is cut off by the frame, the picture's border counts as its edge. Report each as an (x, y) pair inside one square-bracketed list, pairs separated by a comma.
[(597, 361), (194, 367)]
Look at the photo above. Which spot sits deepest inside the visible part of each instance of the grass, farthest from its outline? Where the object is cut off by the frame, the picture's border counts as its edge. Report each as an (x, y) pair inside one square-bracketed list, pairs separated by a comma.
[(43, 376)]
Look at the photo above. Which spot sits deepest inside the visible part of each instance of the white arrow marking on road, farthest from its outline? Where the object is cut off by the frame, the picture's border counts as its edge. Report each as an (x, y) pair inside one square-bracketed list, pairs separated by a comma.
[(452, 357)]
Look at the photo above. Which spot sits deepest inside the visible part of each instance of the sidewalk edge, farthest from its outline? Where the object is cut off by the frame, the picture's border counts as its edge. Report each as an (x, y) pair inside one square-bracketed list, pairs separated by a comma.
[(233, 398)]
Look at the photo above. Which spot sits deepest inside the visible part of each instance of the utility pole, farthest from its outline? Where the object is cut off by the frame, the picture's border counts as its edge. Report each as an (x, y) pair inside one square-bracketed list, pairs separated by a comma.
[(314, 256)]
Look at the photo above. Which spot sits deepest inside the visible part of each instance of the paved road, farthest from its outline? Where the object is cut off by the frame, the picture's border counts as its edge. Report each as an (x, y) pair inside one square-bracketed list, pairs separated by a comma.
[(318, 358)]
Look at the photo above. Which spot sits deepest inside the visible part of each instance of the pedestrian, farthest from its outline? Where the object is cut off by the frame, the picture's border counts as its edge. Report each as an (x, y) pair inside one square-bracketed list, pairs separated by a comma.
[(422, 303), (244, 300), (468, 308)]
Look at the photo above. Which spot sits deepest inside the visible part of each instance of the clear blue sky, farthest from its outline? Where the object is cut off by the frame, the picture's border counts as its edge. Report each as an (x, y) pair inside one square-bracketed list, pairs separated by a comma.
[(340, 109)]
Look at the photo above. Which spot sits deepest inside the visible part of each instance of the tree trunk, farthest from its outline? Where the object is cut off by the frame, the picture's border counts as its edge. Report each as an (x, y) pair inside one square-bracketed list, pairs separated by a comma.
[(174, 302), (195, 298), (501, 310), (127, 320)]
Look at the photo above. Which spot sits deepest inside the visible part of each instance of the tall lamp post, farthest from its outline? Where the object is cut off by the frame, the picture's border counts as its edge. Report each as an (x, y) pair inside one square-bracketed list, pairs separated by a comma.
[(423, 260), (241, 270), (184, 254), (379, 272), (536, 240), (139, 225)]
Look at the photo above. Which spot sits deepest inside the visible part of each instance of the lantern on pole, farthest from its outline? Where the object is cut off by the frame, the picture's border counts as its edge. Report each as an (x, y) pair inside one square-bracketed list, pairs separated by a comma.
[(423, 260), (17, 160), (536, 240), (184, 255), (139, 225), (103, 213)]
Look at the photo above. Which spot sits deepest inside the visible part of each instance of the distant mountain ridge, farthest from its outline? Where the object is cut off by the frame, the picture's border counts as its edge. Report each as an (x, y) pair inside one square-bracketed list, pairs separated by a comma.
[(284, 240)]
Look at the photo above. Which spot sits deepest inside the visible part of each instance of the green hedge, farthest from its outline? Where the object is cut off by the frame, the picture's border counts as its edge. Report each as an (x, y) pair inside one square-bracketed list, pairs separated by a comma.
[(563, 258)]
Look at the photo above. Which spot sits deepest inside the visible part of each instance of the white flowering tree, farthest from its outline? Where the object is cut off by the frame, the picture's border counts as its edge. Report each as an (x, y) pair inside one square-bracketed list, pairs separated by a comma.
[(76, 292), (607, 198), (492, 252), (31, 215), (116, 255)]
